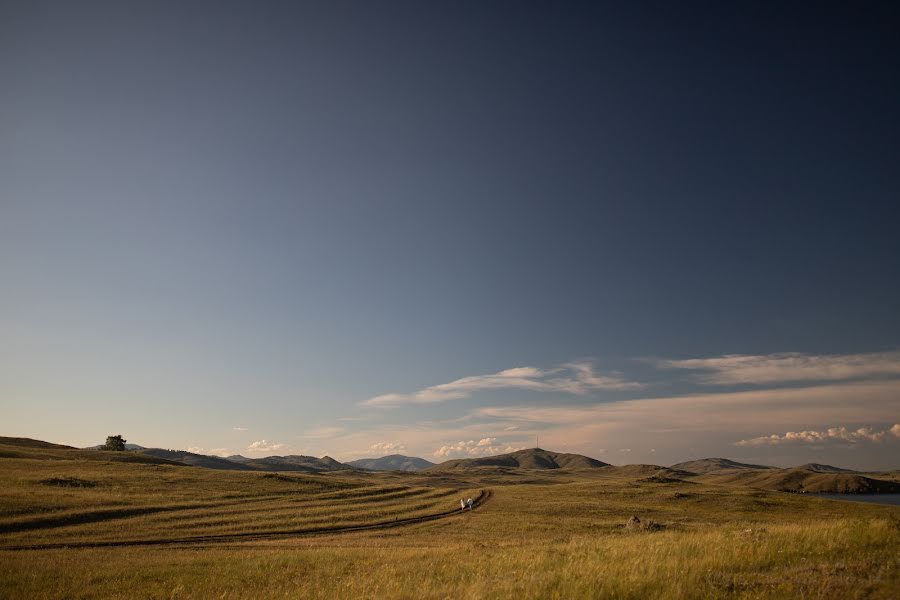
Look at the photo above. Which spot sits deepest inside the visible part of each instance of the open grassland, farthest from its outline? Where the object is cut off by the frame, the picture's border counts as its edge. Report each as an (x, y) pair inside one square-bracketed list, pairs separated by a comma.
[(91, 502), (540, 535), (840, 559)]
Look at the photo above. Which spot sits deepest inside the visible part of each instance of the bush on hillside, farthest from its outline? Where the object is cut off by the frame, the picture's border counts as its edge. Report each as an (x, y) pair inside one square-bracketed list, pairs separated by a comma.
[(115, 442)]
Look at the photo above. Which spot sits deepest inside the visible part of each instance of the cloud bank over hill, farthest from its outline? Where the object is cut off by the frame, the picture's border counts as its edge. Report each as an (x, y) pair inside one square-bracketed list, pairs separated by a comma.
[(483, 447), (837, 435), (266, 446)]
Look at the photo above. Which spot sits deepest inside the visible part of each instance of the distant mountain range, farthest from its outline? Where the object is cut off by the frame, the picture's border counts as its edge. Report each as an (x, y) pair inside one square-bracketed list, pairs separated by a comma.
[(532, 458), (801, 479), (194, 460), (294, 462), (811, 477), (714, 465), (648, 471), (394, 462), (307, 464)]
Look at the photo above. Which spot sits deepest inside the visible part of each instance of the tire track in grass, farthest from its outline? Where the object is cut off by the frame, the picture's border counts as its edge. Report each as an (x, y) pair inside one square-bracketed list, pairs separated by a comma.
[(204, 515), (483, 497), (273, 518), (317, 510), (67, 519)]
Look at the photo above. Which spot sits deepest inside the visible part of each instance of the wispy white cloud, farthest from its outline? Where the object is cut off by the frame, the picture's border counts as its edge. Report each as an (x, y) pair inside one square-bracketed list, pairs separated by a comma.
[(213, 452), (576, 378), (236, 428), (483, 447), (786, 367), (323, 432), (388, 447), (373, 448), (265, 446), (839, 435)]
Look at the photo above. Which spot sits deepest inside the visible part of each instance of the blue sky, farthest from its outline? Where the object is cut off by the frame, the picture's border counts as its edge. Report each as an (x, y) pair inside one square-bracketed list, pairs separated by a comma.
[(230, 226)]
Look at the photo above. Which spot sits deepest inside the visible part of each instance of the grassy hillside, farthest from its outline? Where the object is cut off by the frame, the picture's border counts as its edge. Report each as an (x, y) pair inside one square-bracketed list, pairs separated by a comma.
[(76, 502), (807, 481), (19, 442), (19, 447), (393, 462), (715, 465), (648, 471), (824, 468), (540, 534), (297, 463), (532, 458), (24, 448), (195, 460)]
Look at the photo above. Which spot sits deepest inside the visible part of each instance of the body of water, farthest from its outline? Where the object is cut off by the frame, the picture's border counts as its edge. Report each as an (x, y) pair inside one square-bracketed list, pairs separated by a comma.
[(875, 498)]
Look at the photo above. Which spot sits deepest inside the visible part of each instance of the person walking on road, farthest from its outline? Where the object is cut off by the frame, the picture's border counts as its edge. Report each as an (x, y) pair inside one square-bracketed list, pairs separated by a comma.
[(470, 502), (462, 504)]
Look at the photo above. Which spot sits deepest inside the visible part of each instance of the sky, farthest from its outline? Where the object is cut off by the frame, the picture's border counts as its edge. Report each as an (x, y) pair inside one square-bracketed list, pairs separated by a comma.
[(647, 232)]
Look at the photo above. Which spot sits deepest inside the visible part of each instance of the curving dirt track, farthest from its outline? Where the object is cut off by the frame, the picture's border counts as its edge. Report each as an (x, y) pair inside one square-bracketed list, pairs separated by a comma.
[(482, 498)]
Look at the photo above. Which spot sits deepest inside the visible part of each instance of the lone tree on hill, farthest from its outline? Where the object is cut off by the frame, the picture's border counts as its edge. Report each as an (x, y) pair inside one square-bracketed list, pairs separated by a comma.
[(115, 442)]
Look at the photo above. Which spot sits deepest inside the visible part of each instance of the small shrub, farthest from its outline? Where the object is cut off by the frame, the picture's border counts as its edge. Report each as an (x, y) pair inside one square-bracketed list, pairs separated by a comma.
[(69, 482)]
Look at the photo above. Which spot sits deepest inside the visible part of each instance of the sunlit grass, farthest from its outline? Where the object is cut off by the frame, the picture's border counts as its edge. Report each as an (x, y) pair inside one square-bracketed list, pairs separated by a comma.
[(559, 535), (845, 558)]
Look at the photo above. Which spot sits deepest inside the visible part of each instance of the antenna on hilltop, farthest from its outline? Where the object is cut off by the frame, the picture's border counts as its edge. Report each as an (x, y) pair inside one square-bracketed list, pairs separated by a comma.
[(537, 442)]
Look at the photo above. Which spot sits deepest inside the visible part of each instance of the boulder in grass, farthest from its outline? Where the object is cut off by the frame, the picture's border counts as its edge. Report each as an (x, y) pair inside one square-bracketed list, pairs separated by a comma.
[(635, 524), (651, 526)]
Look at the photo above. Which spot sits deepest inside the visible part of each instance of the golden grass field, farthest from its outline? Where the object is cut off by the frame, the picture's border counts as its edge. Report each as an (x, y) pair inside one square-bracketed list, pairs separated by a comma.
[(160, 531)]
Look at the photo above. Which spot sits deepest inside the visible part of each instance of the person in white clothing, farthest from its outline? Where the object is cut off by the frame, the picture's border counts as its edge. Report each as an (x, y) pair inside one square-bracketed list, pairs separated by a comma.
[(462, 504), (470, 502)]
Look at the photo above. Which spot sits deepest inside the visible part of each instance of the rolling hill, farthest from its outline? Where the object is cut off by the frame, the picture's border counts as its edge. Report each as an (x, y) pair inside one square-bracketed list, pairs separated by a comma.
[(20, 442), (809, 478), (394, 462), (294, 462), (36, 449), (804, 480), (532, 458), (127, 447), (308, 464), (195, 460), (29, 448), (648, 471), (819, 468), (715, 465)]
